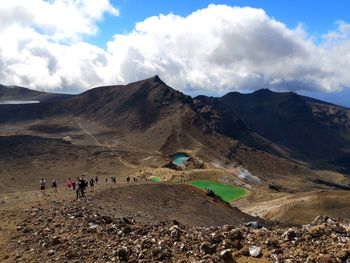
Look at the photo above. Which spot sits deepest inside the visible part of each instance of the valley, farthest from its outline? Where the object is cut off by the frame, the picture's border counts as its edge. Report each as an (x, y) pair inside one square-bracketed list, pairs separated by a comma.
[(285, 155)]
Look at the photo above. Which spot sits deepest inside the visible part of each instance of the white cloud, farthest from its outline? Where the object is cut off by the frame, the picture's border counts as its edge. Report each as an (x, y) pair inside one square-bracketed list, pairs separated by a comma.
[(42, 43), (213, 50), (224, 48), (58, 19)]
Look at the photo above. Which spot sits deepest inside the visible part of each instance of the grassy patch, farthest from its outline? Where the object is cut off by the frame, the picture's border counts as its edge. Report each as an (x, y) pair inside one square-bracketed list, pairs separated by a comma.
[(227, 192)]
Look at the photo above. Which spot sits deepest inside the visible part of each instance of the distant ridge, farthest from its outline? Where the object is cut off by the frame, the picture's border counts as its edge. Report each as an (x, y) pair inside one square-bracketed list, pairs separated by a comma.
[(21, 93), (280, 123)]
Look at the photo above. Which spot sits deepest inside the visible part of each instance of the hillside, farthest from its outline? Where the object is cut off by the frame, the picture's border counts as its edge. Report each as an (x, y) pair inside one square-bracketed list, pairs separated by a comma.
[(58, 229), (297, 127), (21, 93), (276, 136), (288, 153)]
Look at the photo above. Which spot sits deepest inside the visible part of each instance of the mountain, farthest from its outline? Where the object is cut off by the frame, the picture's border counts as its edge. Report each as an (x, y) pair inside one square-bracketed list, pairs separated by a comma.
[(270, 133), (20, 93), (304, 128), (285, 124), (151, 105)]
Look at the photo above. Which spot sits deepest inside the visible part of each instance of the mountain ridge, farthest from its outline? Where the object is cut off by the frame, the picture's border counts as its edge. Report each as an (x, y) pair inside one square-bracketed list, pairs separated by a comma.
[(284, 124), (5, 88)]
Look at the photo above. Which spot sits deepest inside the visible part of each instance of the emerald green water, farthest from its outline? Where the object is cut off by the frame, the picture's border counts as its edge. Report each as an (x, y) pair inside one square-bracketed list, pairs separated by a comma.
[(227, 192), (155, 179)]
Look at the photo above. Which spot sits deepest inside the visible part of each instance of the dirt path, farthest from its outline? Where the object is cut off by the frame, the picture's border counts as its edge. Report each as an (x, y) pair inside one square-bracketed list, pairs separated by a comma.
[(333, 203), (89, 134), (127, 164), (273, 206)]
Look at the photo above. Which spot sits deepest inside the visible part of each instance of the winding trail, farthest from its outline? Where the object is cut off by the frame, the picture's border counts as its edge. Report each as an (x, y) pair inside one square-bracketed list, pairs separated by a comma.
[(126, 164), (89, 134)]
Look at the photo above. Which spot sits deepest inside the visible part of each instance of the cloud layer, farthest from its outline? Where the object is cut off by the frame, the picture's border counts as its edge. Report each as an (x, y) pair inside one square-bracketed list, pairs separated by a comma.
[(213, 50)]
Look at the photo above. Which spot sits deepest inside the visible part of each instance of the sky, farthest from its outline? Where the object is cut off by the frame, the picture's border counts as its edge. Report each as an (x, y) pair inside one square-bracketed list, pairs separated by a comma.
[(197, 47)]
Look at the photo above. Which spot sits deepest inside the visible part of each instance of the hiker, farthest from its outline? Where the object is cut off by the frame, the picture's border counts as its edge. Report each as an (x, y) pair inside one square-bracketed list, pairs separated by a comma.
[(92, 183), (84, 184), (114, 179), (54, 186), (96, 179), (79, 187), (69, 183), (74, 185), (42, 186)]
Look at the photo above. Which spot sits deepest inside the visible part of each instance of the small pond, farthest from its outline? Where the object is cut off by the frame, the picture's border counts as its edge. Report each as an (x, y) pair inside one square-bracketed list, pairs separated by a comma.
[(227, 192), (154, 179), (16, 102), (180, 159)]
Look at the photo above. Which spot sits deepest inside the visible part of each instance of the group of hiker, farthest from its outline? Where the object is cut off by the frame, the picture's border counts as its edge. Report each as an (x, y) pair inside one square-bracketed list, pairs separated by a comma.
[(43, 186), (80, 184)]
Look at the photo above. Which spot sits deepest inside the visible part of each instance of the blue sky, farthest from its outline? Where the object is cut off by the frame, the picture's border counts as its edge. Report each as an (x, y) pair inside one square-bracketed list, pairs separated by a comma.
[(317, 18), (198, 47)]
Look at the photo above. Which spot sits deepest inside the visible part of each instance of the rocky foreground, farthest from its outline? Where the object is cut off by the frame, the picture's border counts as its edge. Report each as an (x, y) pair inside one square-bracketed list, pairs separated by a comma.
[(72, 231)]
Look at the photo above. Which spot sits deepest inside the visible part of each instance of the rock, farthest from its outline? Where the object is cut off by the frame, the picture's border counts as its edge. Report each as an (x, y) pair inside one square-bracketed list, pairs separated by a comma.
[(227, 228), (254, 251), (275, 258), (237, 244), (289, 234), (253, 224), (216, 238), (127, 230), (206, 248), (175, 232), (320, 220), (326, 259), (272, 243), (244, 251), (317, 231), (123, 254), (236, 234), (164, 253), (67, 139), (226, 256), (343, 255), (106, 239), (56, 240), (192, 259), (127, 220), (27, 230), (226, 244), (107, 219)]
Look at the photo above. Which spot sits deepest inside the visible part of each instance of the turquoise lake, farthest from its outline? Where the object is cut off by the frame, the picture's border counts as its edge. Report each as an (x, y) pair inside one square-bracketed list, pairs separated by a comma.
[(180, 159)]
